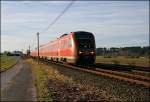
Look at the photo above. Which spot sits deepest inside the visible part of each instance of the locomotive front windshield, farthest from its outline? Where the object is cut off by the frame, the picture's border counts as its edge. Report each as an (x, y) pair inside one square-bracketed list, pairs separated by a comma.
[(85, 40)]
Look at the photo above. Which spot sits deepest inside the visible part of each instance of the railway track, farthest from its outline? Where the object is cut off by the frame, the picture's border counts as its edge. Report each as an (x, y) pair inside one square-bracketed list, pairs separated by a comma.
[(142, 73), (122, 67), (131, 78), (123, 74)]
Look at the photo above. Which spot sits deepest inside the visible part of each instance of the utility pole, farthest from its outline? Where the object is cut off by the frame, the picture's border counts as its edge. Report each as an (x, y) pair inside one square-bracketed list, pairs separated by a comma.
[(38, 45)]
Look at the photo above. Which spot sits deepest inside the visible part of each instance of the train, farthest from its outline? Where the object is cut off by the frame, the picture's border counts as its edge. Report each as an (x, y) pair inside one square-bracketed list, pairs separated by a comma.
[(76, 48)]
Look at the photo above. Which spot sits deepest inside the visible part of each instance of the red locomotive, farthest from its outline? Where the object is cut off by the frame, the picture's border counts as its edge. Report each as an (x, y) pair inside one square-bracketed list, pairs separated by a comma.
[(76, 47)]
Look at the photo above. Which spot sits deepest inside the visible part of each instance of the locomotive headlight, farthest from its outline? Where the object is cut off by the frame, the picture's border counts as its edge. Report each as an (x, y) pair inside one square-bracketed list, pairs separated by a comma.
[(80, 52), (92, 52)]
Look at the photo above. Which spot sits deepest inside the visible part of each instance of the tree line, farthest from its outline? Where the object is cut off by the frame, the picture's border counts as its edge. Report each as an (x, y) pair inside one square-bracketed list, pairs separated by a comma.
[(135, 51), (13, 53)]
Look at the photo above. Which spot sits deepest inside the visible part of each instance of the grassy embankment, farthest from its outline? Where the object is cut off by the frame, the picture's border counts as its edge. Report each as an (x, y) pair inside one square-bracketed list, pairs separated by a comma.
[(42, 74), (124, 60), (7, 62)]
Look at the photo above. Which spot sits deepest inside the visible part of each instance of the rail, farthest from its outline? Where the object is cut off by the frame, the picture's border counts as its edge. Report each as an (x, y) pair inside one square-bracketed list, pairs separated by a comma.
[(131, 78)]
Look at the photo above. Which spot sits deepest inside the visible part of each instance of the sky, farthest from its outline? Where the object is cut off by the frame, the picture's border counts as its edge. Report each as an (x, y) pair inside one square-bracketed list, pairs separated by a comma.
[(113, 23)]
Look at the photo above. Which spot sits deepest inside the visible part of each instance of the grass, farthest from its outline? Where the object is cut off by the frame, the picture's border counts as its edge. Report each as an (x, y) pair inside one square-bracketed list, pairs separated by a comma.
[(7, 62), (42, 74), (144, 62), (40, 81)]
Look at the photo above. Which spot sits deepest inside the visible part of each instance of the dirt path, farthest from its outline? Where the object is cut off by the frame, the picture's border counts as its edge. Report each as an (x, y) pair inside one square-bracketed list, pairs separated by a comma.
[(7, 75), (17, 83)]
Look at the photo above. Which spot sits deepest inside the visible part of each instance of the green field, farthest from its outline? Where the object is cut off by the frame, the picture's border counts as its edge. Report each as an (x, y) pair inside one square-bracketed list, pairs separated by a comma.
[(141, 61), (7, 62)]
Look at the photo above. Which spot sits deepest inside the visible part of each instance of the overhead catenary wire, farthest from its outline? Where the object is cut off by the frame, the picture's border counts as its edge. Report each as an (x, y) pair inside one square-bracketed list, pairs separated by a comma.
[(58, 17)]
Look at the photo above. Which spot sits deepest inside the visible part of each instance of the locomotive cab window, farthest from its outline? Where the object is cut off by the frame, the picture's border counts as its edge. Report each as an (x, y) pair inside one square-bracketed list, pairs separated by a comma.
[(85, 40), (85, 43)]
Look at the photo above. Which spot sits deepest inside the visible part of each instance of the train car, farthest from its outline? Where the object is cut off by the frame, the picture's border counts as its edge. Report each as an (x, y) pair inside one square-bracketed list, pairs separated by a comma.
[(77, 48)]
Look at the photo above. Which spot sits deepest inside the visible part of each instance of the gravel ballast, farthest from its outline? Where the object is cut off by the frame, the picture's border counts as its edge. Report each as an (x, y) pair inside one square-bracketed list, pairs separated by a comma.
[(52, 85), (114, 89), (62, 91)]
